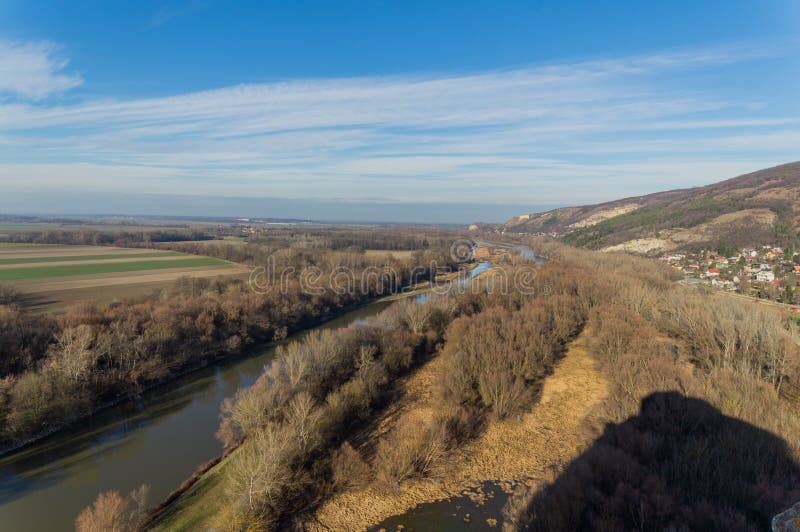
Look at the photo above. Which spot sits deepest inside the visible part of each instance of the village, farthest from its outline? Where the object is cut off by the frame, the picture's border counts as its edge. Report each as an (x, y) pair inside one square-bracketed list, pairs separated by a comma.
[(765, 272)]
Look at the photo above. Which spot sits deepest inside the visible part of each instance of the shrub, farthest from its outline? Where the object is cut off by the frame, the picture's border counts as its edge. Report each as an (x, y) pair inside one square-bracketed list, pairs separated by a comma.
[(349, 469), (110, 512), (411, 449), (9, 295)]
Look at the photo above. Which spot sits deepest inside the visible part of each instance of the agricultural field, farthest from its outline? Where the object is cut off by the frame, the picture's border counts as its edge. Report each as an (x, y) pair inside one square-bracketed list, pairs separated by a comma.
[(22, 227), (396, 253), (55, 276)]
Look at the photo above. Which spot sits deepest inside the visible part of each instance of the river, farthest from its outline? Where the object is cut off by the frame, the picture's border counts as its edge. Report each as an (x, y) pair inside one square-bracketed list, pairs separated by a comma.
[(158, 438)]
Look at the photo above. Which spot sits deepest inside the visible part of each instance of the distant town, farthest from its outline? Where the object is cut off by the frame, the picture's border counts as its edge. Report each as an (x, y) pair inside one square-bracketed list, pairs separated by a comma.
[(765, 272)]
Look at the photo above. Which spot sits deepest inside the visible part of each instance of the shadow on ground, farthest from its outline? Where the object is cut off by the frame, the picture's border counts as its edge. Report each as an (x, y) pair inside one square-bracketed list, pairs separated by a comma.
[(679, 464)]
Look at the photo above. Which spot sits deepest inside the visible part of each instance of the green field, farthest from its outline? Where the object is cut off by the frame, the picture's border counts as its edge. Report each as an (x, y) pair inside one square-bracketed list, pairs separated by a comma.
[(27, 227), (21, 245), (77, 258), (42, 272)]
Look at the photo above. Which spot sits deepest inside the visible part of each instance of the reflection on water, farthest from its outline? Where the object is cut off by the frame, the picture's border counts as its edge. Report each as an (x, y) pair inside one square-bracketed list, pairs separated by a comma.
[(158, 438), (463, 278)]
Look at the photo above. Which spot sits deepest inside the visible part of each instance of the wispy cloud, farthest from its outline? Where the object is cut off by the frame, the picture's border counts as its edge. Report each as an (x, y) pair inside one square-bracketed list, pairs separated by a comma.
[(570, 132), (172, 10), (33, 70)]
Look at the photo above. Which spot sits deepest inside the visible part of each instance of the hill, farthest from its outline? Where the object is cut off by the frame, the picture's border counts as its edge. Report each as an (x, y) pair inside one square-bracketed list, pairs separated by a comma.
[(758, 208)]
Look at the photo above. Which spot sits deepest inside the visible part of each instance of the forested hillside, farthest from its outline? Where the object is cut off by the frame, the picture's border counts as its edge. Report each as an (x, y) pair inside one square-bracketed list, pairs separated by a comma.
[(750, 210)]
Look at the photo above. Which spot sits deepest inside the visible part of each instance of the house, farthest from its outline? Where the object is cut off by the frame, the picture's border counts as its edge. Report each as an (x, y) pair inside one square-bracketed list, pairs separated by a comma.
[(712, 272), (797, 269), (765, 276), (721, 283)]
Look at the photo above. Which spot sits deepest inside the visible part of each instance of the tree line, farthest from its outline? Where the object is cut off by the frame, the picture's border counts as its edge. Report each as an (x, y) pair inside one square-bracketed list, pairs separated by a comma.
[(55, 369), (675, 360)]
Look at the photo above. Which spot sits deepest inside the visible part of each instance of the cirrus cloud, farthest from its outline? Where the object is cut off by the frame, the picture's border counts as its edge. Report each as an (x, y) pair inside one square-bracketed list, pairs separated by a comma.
[(561, 133), (33, 70)]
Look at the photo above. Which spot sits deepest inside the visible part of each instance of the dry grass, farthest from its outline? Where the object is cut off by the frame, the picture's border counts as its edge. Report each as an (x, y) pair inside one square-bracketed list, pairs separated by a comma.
[(398, 254), (547, 436), (56, 295), (491, 253)]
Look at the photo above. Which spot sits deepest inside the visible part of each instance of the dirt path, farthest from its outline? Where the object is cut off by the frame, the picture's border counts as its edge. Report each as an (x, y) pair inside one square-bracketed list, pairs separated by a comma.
[(546, 437)]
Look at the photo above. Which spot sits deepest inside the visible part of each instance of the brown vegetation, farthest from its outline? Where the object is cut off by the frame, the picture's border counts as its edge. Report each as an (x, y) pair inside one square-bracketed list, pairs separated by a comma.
[(694, 433), (669, 460), (689, 416), (110, 512), (56, 369), (519, 447), (294, 418)]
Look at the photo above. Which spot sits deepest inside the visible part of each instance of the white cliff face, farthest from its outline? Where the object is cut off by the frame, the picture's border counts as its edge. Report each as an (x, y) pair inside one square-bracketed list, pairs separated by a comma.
[(788, 521), (601, 216)]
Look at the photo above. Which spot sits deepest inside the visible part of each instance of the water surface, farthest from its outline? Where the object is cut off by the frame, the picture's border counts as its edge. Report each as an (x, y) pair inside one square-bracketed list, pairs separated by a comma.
[(158, 438)]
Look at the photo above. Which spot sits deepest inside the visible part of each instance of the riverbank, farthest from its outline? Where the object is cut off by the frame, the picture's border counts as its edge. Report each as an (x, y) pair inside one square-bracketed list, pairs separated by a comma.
[(158, 438), (201, 499), (200, 496), (529, 449), (205, 360), (182, 372)]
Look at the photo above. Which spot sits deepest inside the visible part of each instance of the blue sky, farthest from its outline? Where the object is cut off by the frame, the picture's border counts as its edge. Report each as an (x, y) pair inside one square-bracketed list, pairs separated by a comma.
[(362, 110)]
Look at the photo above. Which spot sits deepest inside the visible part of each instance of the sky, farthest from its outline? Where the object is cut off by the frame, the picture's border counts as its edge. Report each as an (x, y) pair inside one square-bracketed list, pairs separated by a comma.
[(386, 110)]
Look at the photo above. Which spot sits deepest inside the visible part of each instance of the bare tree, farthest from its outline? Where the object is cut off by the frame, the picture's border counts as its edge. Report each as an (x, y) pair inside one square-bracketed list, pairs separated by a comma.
[(72, 355), (110, 512)]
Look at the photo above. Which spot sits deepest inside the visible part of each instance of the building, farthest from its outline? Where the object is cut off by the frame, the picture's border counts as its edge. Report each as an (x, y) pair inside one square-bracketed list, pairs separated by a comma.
[(722, 283), (765, 276)]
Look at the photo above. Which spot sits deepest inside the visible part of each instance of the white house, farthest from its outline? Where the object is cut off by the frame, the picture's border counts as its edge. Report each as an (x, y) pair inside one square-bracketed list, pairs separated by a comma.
[(721, 283), (765, 276)]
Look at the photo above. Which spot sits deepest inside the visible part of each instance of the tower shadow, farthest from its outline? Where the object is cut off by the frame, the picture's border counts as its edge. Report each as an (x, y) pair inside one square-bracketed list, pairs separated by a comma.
[(679, 464)]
